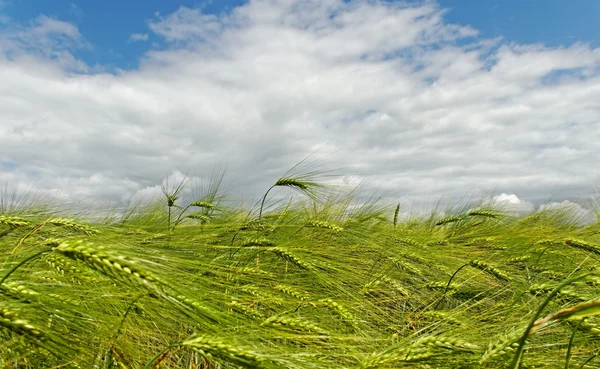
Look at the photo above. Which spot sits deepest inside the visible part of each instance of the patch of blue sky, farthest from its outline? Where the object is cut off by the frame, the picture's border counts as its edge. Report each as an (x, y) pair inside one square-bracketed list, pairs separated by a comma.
[(108, 25), (549, 22), (8, 165), (563, 75)]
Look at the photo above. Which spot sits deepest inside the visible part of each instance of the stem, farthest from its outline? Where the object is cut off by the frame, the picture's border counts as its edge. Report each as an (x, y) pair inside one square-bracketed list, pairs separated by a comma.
[(127, 313), (22, 263), (169, 220), (448, 285), (571, 343), (160, 355), (519, 352), (588, 360), (263, 202)]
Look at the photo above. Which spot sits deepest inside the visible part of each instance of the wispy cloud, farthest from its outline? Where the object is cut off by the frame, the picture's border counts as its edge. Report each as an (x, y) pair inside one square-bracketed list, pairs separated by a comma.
[(417, 105), (44, 37), (135, 37)]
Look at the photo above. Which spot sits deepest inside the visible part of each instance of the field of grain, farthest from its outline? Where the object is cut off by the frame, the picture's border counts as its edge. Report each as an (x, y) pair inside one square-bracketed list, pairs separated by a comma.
[(317, 282)]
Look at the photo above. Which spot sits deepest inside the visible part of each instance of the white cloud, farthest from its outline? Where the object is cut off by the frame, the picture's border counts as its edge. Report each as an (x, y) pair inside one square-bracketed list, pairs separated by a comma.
[(138, 37), (577, 213), (43, 38), (512, 204), (419, 106)]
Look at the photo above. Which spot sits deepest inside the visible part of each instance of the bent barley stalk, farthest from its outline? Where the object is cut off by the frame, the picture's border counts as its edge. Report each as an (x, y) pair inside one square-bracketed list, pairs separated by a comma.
[(73, 225), (303, 186), (296, 324), (519, 351), (212, 348), (583, 245), (13, 221), (323, 224), (483, 213), (449, 220)]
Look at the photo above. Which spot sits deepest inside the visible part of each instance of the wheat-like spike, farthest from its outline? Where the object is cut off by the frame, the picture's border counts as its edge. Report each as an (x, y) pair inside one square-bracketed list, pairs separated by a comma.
[(347, 316), (399, 355), (440, 315), (548, 242), (423, 348), (200, 216), (405, 266), (17, 289), (504, 346), (323, 224), (254, 224), (106, 263), (10, 321), (13, 221), (409, 242), (239, 307), (260, 241), (295, 182), (439, 286), (396, 212), (210, 347), (203, 204), (449, 220), (483, 213), (446, 343), (518, 259), (294, 324), (73, 225), (538, 289), (59, 264), (287, 256), (489, 269), (395, 285), (292, 292), (583, 245)]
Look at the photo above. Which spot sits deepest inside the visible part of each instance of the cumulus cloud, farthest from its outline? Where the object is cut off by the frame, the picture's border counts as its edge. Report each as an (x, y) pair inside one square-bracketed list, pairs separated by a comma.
[(419, 106)]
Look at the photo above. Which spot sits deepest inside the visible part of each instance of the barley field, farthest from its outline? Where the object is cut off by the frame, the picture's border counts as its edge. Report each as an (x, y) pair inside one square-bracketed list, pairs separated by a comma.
[(311, 279)]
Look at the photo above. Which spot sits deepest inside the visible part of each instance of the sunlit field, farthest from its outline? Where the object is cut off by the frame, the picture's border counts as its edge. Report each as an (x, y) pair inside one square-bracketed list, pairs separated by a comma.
[(313, 277)]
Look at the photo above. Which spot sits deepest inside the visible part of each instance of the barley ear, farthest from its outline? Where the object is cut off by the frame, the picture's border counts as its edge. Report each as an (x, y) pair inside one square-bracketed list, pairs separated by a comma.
[(396, 212)]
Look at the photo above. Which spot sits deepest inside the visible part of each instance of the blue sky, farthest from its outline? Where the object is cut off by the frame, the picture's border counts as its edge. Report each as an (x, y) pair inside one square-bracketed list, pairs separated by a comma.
[(497, 99), (107, 25)]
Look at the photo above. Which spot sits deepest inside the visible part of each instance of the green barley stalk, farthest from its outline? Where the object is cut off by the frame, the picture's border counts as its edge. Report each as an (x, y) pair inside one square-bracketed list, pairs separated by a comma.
[(296, 324), (172, 195), (489, 269), (322, 224), (13, 221), (213, 348), (534, 321), (483, 213), (203, 218), (582, 245), (303, 186), (73, 225), (10, 321), (287, 256), (396, 212), (449, 220)]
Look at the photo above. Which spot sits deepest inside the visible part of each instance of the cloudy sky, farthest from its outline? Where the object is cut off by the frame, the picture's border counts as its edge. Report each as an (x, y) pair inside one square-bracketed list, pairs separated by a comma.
[(422, 98)]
